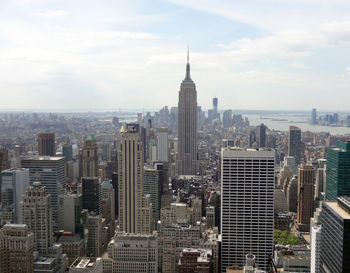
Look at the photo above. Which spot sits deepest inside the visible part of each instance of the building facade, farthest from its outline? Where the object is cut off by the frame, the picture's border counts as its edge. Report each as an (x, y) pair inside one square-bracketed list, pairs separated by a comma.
[(50, 172), (335, 239), (162, 145), (187, 158), (247, 205), (46, 144), (306, 185), (14, 184), (37, 215), (294, 143), (133, 253), (338, 171), (130, 180), (16, 249)]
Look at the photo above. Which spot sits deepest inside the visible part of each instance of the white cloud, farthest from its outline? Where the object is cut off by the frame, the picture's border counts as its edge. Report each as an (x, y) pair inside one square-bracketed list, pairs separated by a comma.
[(53, 13)]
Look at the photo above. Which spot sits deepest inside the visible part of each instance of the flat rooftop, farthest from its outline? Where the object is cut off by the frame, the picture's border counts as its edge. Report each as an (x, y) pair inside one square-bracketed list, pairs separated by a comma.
[(338, 209)]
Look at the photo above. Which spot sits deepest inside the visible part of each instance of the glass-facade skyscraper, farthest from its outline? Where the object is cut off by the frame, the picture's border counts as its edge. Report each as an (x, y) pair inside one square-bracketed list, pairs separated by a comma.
[(338, 171)]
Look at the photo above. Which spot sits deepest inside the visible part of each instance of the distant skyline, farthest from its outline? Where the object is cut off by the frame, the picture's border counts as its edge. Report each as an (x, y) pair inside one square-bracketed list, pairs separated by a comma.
[(252, 54)]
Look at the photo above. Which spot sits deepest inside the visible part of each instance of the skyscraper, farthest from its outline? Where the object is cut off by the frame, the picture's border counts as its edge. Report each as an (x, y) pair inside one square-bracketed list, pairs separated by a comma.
[(247, 206), (338, 171), (46, 144), (91, 193), (294, 143), (313, 116), (335, 239), (162, 146), (306, 186), (4, 161), (90, 158), (130, 180), (16, 249), (50, 171), (153, 186), (67, 152), (261, 135), (14, 184), (37, 215), (187, 162), (227, 119), (215, 107)]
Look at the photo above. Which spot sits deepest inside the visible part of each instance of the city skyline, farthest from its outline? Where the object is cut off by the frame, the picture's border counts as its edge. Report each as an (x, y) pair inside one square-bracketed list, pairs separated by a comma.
[(130, 55)]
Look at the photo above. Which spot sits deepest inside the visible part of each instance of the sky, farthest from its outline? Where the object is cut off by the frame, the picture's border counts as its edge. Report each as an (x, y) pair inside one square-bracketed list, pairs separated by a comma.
[(119, 55)]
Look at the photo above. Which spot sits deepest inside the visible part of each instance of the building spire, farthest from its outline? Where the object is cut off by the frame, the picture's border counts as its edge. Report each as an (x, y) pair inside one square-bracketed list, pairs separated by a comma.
[(188, 54), (188, 77)]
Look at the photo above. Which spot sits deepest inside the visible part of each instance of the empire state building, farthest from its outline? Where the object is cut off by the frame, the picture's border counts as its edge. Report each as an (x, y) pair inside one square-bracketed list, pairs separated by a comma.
[(187, 162)]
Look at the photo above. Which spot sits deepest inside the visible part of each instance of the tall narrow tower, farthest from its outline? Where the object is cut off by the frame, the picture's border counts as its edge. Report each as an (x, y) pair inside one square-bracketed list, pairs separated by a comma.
[(187, 162), (130, 180), (37, 215)]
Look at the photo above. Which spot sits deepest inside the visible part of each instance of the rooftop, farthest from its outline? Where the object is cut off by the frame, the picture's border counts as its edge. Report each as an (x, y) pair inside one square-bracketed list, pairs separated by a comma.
[(338, 209)]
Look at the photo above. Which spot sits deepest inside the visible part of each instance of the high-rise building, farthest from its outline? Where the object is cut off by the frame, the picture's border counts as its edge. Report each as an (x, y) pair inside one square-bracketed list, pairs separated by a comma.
[(94, 238), (50, 171), (4, 159), (294, 143), (306, 184), (152, 185), (315, 248), (338, 171), (130, 180), (14, 184), (162, 146), (37, 215), (91, 193), (247, 194), (4, 162), (215, 107), (131, 253), (187, 158), (47, 144), (16, 249), (320, 182), (67, 152), (313, 116), (292, 194), (335, 239), (90, 158), (261, 133), (69, 209), (227, 119)]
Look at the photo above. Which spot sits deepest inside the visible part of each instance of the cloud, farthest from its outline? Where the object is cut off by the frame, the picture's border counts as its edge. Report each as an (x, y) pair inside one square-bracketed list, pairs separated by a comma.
[(53, 13)]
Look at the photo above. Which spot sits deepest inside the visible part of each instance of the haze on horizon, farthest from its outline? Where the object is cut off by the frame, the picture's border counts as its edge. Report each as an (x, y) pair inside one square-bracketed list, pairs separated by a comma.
[(251, 54)]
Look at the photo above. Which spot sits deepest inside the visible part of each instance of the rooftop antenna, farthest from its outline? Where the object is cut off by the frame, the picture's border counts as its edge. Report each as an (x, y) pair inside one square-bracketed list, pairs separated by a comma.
[(188, 54)]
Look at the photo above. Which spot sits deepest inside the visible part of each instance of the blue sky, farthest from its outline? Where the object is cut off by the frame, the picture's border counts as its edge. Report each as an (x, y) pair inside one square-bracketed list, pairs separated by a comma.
[(251, 54)]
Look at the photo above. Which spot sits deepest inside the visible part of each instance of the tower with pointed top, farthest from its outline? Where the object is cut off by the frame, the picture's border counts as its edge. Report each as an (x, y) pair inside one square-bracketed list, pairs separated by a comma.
[(187, 162)]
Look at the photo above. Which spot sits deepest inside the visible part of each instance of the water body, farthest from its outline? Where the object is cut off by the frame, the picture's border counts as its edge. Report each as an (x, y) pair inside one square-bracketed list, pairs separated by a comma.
[(282, 122)]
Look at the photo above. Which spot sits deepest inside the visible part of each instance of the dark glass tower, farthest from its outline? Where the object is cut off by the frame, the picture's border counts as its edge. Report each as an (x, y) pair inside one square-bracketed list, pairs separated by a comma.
[(338, 171)]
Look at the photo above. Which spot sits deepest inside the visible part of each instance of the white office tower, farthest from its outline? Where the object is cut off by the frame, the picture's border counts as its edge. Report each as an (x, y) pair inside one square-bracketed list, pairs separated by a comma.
[(130, 180), (247, 181), (37, 215), (162, 137), (133, 253), (14, 183), (315, 248)]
